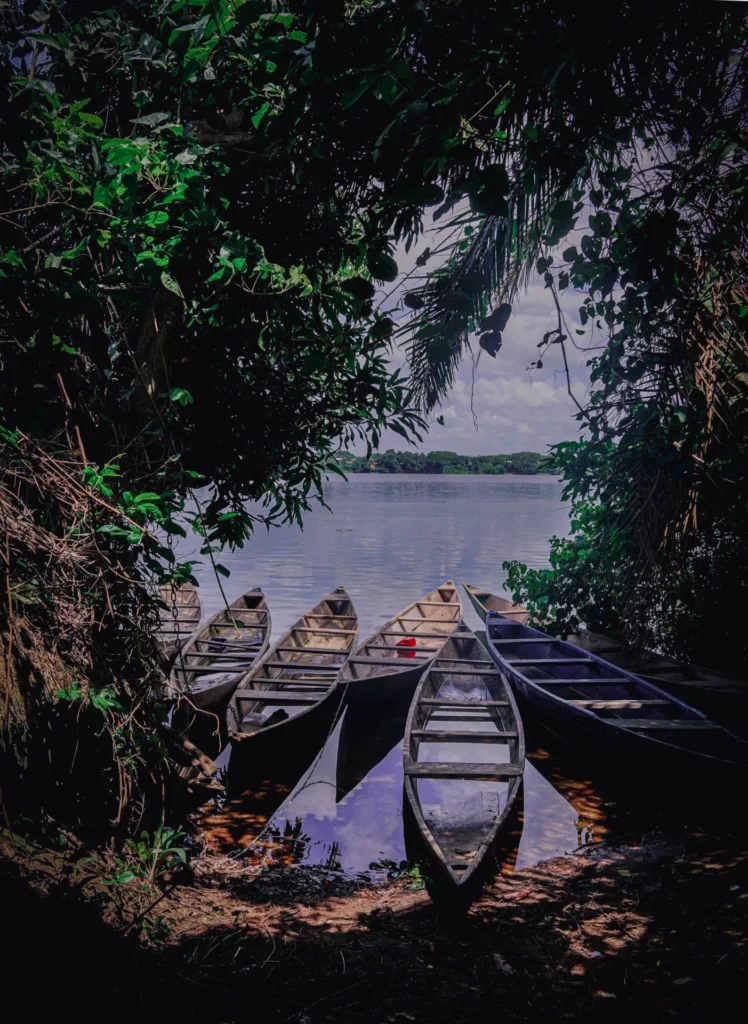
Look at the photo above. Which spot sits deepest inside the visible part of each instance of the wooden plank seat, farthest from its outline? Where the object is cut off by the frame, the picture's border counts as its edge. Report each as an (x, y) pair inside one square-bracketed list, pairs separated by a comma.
[(320, 683), (313, 650), (395, 661), (477, 704), (461, 770), (303, 666), (418, 634), (461, 736), (596, 705), (432, 622), (320, 630), (465, 671), (219, 655), (464, 661), (551, 661), (399, 647), (663, 723), (276, 697), (602, 681), (530, 640)]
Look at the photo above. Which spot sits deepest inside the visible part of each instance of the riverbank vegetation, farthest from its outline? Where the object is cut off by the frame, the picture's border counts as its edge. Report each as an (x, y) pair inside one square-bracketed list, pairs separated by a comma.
[(201, 203), (448, 463)]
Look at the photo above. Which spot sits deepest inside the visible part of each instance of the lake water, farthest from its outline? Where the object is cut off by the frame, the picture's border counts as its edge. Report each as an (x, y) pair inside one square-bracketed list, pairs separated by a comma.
[(389, 540)]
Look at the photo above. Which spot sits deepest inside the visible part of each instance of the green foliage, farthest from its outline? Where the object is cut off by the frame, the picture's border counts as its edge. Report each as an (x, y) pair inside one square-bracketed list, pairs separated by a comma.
[(390, 461), (148, 858), (405, 869)]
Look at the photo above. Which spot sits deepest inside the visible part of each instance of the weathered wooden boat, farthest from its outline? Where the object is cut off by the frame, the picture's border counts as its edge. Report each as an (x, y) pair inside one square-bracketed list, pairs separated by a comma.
[(208, 668), (590, 703), (181, 617), (463, 760), (290, 695), (484, 602), (394, 657), (714, 690)]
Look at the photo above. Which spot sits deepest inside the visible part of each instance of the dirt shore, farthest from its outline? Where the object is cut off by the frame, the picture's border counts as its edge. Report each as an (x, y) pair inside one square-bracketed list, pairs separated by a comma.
[(656, 928)]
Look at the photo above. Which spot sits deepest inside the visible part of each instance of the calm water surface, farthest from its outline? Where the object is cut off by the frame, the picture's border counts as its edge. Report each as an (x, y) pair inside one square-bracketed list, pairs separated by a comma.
[(389, 540)]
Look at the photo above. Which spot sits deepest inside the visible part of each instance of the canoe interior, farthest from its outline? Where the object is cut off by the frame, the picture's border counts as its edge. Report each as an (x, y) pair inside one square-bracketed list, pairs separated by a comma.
[(217, 655), (484, 601), (464, 757), (298, 672), (571, 681), (408, 640), (180, 619), (647, 665)]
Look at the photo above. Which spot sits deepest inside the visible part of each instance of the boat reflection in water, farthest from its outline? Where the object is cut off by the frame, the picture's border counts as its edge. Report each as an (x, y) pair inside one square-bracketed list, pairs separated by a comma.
[(345, 811)]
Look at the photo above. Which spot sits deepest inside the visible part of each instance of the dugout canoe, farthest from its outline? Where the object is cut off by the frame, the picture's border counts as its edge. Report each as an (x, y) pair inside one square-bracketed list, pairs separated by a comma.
[(717, 692), (181, 617), (394, 657), (290, 695), (593, 705), (463, 761), (208, 668)]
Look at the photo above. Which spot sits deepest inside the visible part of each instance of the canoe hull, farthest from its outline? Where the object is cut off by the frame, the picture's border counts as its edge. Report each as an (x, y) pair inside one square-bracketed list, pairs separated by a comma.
[(300, 737), (499, 858), (617, 750)]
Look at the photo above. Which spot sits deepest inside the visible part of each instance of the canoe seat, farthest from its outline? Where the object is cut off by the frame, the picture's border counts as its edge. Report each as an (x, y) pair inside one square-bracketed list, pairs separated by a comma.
[(321, 629), (277, 697), (596, 705), (465, 661), (301, 649), (462, 736), (550, 661), (475, 704), (663, 723), (395, 662), (304, 666), (461, 770), (465, 671), (603, 680), (531, 640)]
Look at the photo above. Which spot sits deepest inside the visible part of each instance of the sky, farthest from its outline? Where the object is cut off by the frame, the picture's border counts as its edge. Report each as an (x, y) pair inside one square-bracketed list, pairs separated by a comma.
[(516, 410)]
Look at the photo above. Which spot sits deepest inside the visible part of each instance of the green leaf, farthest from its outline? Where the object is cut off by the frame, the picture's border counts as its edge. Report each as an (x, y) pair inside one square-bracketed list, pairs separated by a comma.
[(257, 118), (171, 283), (389, 88), (349, 98), (222, 570)]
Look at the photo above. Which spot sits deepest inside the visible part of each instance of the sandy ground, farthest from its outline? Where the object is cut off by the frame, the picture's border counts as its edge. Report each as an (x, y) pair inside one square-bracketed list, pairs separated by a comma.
[(657, 928)]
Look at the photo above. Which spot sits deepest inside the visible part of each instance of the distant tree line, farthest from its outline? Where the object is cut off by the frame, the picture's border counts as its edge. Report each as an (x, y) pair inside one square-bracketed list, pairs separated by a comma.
[(524, 463)]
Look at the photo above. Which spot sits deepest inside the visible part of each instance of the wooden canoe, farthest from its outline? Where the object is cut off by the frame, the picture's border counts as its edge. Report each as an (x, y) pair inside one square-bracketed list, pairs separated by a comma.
[(180, 619), (463, 759), (208, 668), (590, 703), (290, 695), (705, 684), (395, 656), (484, 602)]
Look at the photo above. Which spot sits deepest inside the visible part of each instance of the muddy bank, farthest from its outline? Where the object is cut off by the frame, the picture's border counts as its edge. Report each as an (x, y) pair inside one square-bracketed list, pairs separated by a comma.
[(658, 928)]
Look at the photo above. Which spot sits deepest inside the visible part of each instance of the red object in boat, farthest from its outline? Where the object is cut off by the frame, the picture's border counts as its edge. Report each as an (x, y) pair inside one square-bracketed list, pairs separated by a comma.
[(409, 641)]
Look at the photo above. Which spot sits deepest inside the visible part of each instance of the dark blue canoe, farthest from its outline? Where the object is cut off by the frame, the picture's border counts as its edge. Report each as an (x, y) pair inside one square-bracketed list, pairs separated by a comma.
[(587, 701)]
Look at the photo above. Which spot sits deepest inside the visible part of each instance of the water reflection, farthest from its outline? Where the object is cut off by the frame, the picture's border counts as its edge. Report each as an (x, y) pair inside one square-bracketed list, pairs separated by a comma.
[(346, 809)]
